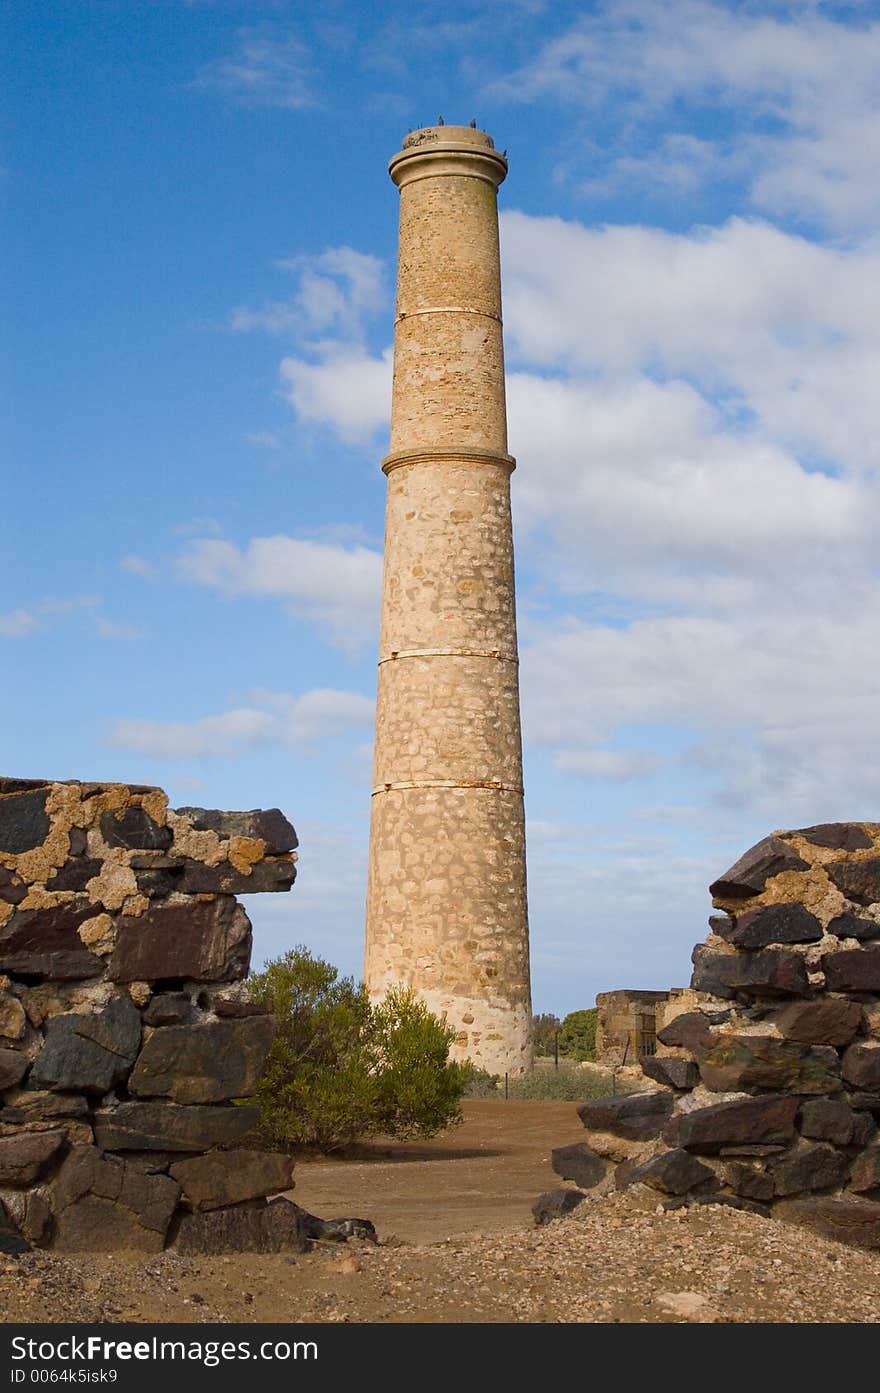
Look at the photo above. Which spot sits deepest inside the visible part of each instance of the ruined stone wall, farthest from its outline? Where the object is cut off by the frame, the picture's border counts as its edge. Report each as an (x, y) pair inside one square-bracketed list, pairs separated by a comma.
[(125, 1029), (626, 1025), (770, 1066)]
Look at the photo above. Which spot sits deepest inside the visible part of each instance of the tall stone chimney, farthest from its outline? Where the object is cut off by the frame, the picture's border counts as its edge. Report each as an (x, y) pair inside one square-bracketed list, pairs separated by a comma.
[(446, 905)]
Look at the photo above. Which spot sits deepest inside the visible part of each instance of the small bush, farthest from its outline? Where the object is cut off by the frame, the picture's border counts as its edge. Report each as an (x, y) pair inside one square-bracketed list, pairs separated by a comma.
[(341, 1070), (479, 1083), (544, 1028), (565, 1084), (577, 1036)]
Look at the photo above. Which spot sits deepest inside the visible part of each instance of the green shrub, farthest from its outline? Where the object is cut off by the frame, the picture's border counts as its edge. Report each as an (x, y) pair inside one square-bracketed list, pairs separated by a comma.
[(577, 1036), (341, 1070), (479, 1083), (565, 1084)]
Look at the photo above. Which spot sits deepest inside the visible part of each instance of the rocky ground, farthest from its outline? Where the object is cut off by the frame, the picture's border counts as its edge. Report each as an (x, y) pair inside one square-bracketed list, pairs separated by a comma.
[(614, 1260)]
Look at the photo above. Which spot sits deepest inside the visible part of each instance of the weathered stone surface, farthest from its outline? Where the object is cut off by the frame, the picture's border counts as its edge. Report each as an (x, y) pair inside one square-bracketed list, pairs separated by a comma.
[(231, 1002), (205, 941), (861, 1064), (12, 888), (89, 1053), (13, 1021), (857, 880), (675, 1172), (747, 1180), (633, 1116), (336, 1230), (101, 1204), (170, 1008), (29, 1212), (827, 1119), (46, 943), (853, 1221), (13, 1067), (228, 1177), (750, 873), (75, 873), (769, 972), (580, 1164), (251, 1227), (25, 1157), (671, 1070), (738, 1061), (270, 875), (773, 923), (746, 1121), (206, 1063), (852, 970), (829, 1020), (864, 1102), (167, 1127), (841, 836), (853, 926), (268, 824), (25, 1107), (134, 830), (866, 1170), (554, 1204), (864, 1128), (811, 1166), (690, 1031), (24, 822)]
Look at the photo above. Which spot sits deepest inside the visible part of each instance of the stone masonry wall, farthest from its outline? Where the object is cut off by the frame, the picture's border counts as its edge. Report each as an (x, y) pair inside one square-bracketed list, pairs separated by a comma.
[(770, 1065), (125, 1029)]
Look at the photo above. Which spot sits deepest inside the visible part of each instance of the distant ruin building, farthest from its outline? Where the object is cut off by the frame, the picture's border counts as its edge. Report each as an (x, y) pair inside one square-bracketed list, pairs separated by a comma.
[(626, 1026), (446, 910)]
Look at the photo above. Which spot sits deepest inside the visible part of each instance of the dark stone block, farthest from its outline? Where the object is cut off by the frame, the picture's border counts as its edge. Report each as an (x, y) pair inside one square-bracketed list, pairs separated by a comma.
[(89, 1053), (334, 1230), (78, 841), (276, 874), (861, 1064), (206, 941), (45, 943), (12, 1240), (156, 884), (43, 1107), (864, 1128), (852, 926), (633, 1116), (746, 1180), (675, 1172), (269, 825), (206, 1063), (811, 1166), (26, 1156), (555, 1204), (167, 1127), (75, 874), (749, 875), (102, 1203), (671, 1070), (866, 1170), (231, 1003), (251, 1227), (770, 972), (580, 1164), (135, 830), (858, 880), (12, 888), (689, 1031), (864, 1102), (852, 970), (222, 1178), (744, 1122), (828, 1020), (24, 822), (738, 1062), (170, 1008), (827, 1119), (841, 836), (853, 1221), (773, 923), (13, 1067)]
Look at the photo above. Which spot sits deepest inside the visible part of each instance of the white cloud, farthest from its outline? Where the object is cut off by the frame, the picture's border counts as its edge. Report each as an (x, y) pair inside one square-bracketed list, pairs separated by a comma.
[(274, 719), (335, 588), (138, 566), (618, 766), (115, 629), (347, 390), (263, 71), (336, 292), (264, 439), (27, 620), (798, 93), (18, 623)]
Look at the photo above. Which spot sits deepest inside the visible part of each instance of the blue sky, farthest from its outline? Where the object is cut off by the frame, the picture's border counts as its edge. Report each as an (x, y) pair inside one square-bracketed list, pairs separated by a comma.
[(199, 271)]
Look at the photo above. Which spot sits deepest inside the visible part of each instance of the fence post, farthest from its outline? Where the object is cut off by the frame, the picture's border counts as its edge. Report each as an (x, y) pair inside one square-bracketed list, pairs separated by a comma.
[(556, 1048), (506, 1084)]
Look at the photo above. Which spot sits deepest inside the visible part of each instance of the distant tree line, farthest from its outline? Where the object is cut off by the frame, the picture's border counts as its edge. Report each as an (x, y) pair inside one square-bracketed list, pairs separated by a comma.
[(576, 1031)]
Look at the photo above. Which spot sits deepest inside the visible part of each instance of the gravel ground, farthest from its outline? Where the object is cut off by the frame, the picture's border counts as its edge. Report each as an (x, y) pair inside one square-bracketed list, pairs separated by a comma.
[(615, 1260)]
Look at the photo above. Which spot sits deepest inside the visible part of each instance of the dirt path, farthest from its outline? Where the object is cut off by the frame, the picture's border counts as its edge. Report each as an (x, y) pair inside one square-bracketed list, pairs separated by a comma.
[(482, 1177)]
